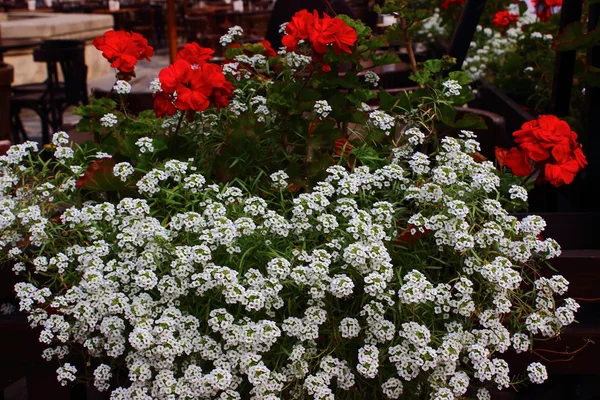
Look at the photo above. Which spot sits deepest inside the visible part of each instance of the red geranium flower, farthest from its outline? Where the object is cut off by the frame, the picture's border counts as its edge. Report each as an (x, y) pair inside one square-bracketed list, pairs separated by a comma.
[(514, 159), (560, 174), (503, 19), (163, 105), (331, 31), (195, 54), (222, 89), (551, 145), (268, 48), (123, 49), (188, 88), (297, 29), (320, 31), (172, 76)]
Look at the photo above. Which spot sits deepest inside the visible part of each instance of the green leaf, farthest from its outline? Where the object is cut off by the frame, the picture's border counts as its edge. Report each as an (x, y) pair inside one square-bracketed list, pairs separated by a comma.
[(384, 59), (447, 114), (461, 77), (469, 121), (573, 38), (433, 66), (389, 102), (421, 77)]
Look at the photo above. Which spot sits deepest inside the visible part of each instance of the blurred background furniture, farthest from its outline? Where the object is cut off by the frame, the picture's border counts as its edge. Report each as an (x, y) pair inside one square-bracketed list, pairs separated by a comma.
[(50, 98)]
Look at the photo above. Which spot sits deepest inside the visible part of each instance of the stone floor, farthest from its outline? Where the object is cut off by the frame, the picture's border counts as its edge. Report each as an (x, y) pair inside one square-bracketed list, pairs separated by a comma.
[(145, 71)]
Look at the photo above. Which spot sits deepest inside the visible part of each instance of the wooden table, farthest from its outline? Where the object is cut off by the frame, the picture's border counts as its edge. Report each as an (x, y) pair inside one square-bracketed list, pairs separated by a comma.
[(15, 44)]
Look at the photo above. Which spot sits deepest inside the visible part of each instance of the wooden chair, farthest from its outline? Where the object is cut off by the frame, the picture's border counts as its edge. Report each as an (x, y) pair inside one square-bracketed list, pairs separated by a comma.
[(50, 98)]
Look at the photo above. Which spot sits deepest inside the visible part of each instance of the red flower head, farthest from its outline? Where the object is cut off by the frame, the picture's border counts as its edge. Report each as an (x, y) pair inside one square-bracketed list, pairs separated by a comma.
[(551, 144), (298, 29), (537, 138), (172, 76), (195, 54), (561, 174), (514, 159), (268, 48), (447, 3), (503, 19), (186, 87), (163, 105), (222, 89), (331, 31), (123, 49)]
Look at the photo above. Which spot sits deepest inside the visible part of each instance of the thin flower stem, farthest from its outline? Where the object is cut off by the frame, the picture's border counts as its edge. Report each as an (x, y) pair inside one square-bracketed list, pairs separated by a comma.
[(409, 48)]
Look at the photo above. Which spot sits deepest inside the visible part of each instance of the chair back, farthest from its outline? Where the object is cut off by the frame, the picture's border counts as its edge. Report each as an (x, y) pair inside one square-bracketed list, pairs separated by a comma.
[(70, 56)]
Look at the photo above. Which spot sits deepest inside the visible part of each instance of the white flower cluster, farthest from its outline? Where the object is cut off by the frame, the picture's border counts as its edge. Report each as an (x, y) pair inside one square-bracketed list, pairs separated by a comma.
[(122, 87), (296, 61), (155, 86), (145, 145), (109, 120), (122, 170), (233, 33), (322, 108), (452, 88), (372, 78), (261, 110), (279, 180), (237, 296), (382, 121)]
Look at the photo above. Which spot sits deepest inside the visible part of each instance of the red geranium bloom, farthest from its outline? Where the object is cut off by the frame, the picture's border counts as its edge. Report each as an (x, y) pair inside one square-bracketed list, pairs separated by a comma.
[(195, 54), (561, 174), (514, 159), (447, 3), (188, 88), (551, 144), (537, 138), (331, 31), (163, 105), (123, 49), (297, 29), (503, 19), (172, 76), (268, 48), (222, 89), (193, 92)]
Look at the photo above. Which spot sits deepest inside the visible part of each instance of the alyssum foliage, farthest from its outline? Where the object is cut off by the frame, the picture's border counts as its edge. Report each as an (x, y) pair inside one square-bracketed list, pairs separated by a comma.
[(397, 273)]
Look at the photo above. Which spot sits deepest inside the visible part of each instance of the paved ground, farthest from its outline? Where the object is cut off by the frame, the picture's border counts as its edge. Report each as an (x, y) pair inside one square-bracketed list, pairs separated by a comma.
[(145, 71)]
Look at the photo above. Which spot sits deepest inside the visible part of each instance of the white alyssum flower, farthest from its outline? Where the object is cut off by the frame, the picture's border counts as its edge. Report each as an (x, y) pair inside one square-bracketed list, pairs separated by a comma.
[(145, 145), (322, 108), (382, 121), (537, 373), (122, 87), (109, 120), (122, 170), (66, 374), (279, 179), (232, 35), (60, 138), (155, 86), (452, 87), (372, 78)]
